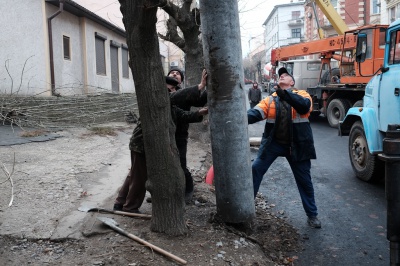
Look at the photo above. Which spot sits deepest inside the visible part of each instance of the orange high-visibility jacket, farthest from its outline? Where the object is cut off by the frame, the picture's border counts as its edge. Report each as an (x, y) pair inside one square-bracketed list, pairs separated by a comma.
[(301, 138)]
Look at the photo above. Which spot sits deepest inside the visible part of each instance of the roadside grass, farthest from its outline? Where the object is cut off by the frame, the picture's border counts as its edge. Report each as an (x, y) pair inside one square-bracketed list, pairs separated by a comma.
[(101, 131), (33, 133)]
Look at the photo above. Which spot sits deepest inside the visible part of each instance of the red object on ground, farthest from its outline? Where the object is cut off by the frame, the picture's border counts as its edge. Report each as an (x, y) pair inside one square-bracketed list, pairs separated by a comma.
[(210, 176)]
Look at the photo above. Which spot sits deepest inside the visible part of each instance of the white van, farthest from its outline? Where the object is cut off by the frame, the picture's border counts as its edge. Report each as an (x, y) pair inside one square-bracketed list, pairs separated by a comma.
[(306, 72)]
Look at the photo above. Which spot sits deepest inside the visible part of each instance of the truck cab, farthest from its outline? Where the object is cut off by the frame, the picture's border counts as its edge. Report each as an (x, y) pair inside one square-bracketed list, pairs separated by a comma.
[(367, 126)]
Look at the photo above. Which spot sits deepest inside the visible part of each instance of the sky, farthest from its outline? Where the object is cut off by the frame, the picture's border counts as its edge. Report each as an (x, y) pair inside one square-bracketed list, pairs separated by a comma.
[(252, 14)]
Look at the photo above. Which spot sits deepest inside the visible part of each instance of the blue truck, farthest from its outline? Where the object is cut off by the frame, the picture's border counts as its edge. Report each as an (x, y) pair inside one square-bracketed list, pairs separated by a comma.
[(367, 125)]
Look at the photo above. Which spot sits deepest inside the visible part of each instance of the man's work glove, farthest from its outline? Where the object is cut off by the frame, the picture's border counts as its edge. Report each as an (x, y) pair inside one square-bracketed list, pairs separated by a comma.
[(281, 93)]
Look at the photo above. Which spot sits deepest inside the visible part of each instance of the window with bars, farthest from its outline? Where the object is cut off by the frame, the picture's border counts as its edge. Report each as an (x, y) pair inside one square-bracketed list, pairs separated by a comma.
[(296, 33), (100, 54), (125, 63), (66, 46)]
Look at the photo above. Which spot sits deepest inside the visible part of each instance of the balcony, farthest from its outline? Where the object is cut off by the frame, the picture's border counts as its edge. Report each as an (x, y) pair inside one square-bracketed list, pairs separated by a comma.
[(295, 22), (291, 40), (326, 24)]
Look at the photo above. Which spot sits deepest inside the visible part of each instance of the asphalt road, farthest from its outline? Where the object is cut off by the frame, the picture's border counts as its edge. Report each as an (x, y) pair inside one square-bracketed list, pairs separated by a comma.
[(12, 136), (352, 212)]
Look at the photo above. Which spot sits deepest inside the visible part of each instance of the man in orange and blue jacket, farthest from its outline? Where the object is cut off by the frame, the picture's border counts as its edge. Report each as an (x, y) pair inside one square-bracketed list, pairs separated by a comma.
[(287, 133)]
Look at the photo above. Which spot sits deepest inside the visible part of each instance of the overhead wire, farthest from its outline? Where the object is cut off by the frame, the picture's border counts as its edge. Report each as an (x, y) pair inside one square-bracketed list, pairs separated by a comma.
[(105, 6)]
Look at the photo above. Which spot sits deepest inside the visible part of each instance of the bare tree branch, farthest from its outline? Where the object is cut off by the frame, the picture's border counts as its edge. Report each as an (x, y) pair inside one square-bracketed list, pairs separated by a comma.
[(172, 34), (8, 72), (22, 73)]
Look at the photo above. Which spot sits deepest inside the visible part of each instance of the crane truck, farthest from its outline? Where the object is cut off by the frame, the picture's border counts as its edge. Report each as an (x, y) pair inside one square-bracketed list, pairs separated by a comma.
[(379, 117), (344, 86)]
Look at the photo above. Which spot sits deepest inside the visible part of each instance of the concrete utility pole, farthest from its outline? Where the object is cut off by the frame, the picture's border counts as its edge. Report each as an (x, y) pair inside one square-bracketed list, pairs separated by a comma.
[(391, 156), (227, 105)]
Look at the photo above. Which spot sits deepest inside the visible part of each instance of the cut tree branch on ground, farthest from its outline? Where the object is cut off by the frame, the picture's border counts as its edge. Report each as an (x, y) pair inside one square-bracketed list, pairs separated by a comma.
[(8, 175)]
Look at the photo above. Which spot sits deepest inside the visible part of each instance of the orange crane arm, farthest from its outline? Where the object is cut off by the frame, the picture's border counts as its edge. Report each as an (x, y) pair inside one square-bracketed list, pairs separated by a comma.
[(326, 47)]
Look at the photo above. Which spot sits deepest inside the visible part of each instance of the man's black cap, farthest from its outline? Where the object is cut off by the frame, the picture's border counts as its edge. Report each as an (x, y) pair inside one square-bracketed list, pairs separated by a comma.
[(171, 81), (180, 72), (283, 70)]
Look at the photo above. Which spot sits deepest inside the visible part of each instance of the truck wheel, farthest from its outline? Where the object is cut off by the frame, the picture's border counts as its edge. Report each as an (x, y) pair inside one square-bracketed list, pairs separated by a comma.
[(326, 77), (366, 166), (336, 111)]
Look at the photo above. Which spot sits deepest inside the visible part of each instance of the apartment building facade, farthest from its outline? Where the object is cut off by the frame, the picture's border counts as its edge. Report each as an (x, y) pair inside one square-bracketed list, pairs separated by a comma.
[(284, 26)]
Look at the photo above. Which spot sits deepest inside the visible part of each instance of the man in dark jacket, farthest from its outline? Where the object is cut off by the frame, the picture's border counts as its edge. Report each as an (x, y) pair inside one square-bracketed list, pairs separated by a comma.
[(254, 95), (198, 99), (287, 133), (131, 194)]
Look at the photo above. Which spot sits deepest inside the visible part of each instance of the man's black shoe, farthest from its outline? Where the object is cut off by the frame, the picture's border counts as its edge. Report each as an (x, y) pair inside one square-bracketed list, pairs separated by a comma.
[(314, 222), (117, 207)]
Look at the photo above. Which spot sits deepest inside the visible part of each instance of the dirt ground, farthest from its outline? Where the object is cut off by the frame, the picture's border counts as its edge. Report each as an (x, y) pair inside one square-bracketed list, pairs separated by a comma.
[(52, 179)]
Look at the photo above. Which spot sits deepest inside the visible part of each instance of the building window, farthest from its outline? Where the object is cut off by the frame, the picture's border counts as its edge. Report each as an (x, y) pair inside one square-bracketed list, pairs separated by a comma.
[(67, 50), (335, 5), (100, 54), (376, 6), (296, 33), (392, 14), (295, 14), (125, 62), (397, 16)]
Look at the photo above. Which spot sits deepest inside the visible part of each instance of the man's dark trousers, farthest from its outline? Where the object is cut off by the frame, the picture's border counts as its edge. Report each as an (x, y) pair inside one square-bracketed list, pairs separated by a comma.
[(301, 172), (181, 144)]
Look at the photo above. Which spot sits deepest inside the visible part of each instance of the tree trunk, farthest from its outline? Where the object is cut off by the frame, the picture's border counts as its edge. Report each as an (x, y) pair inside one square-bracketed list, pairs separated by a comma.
[(194, 60), (166, 181), (228, 119)]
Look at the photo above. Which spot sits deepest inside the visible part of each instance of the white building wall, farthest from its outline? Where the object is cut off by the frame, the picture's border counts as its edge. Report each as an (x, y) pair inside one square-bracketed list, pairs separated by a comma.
[(78, 75), (103, 81), (24, 47), (384, 13), (285, 31), (390, 11), (69, 75), (271, 35), (25, 56), (277, 31)]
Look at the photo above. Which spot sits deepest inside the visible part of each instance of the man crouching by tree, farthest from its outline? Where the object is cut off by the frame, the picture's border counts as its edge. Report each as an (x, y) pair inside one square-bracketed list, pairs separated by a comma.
[(133, 190)]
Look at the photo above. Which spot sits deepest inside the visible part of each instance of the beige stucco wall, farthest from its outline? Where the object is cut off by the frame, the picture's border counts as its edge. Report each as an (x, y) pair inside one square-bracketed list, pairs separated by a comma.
[(23, 44), (24, 56), (78, 75), (93, 79)]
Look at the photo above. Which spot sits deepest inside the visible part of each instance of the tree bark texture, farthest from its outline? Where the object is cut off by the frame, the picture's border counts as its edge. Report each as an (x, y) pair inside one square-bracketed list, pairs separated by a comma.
[(166, 181), (188, 21), (227, 105)]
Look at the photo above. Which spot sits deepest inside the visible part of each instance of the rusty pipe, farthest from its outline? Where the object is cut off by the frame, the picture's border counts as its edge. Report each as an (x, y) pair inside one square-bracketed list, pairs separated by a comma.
[(50, 34)]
